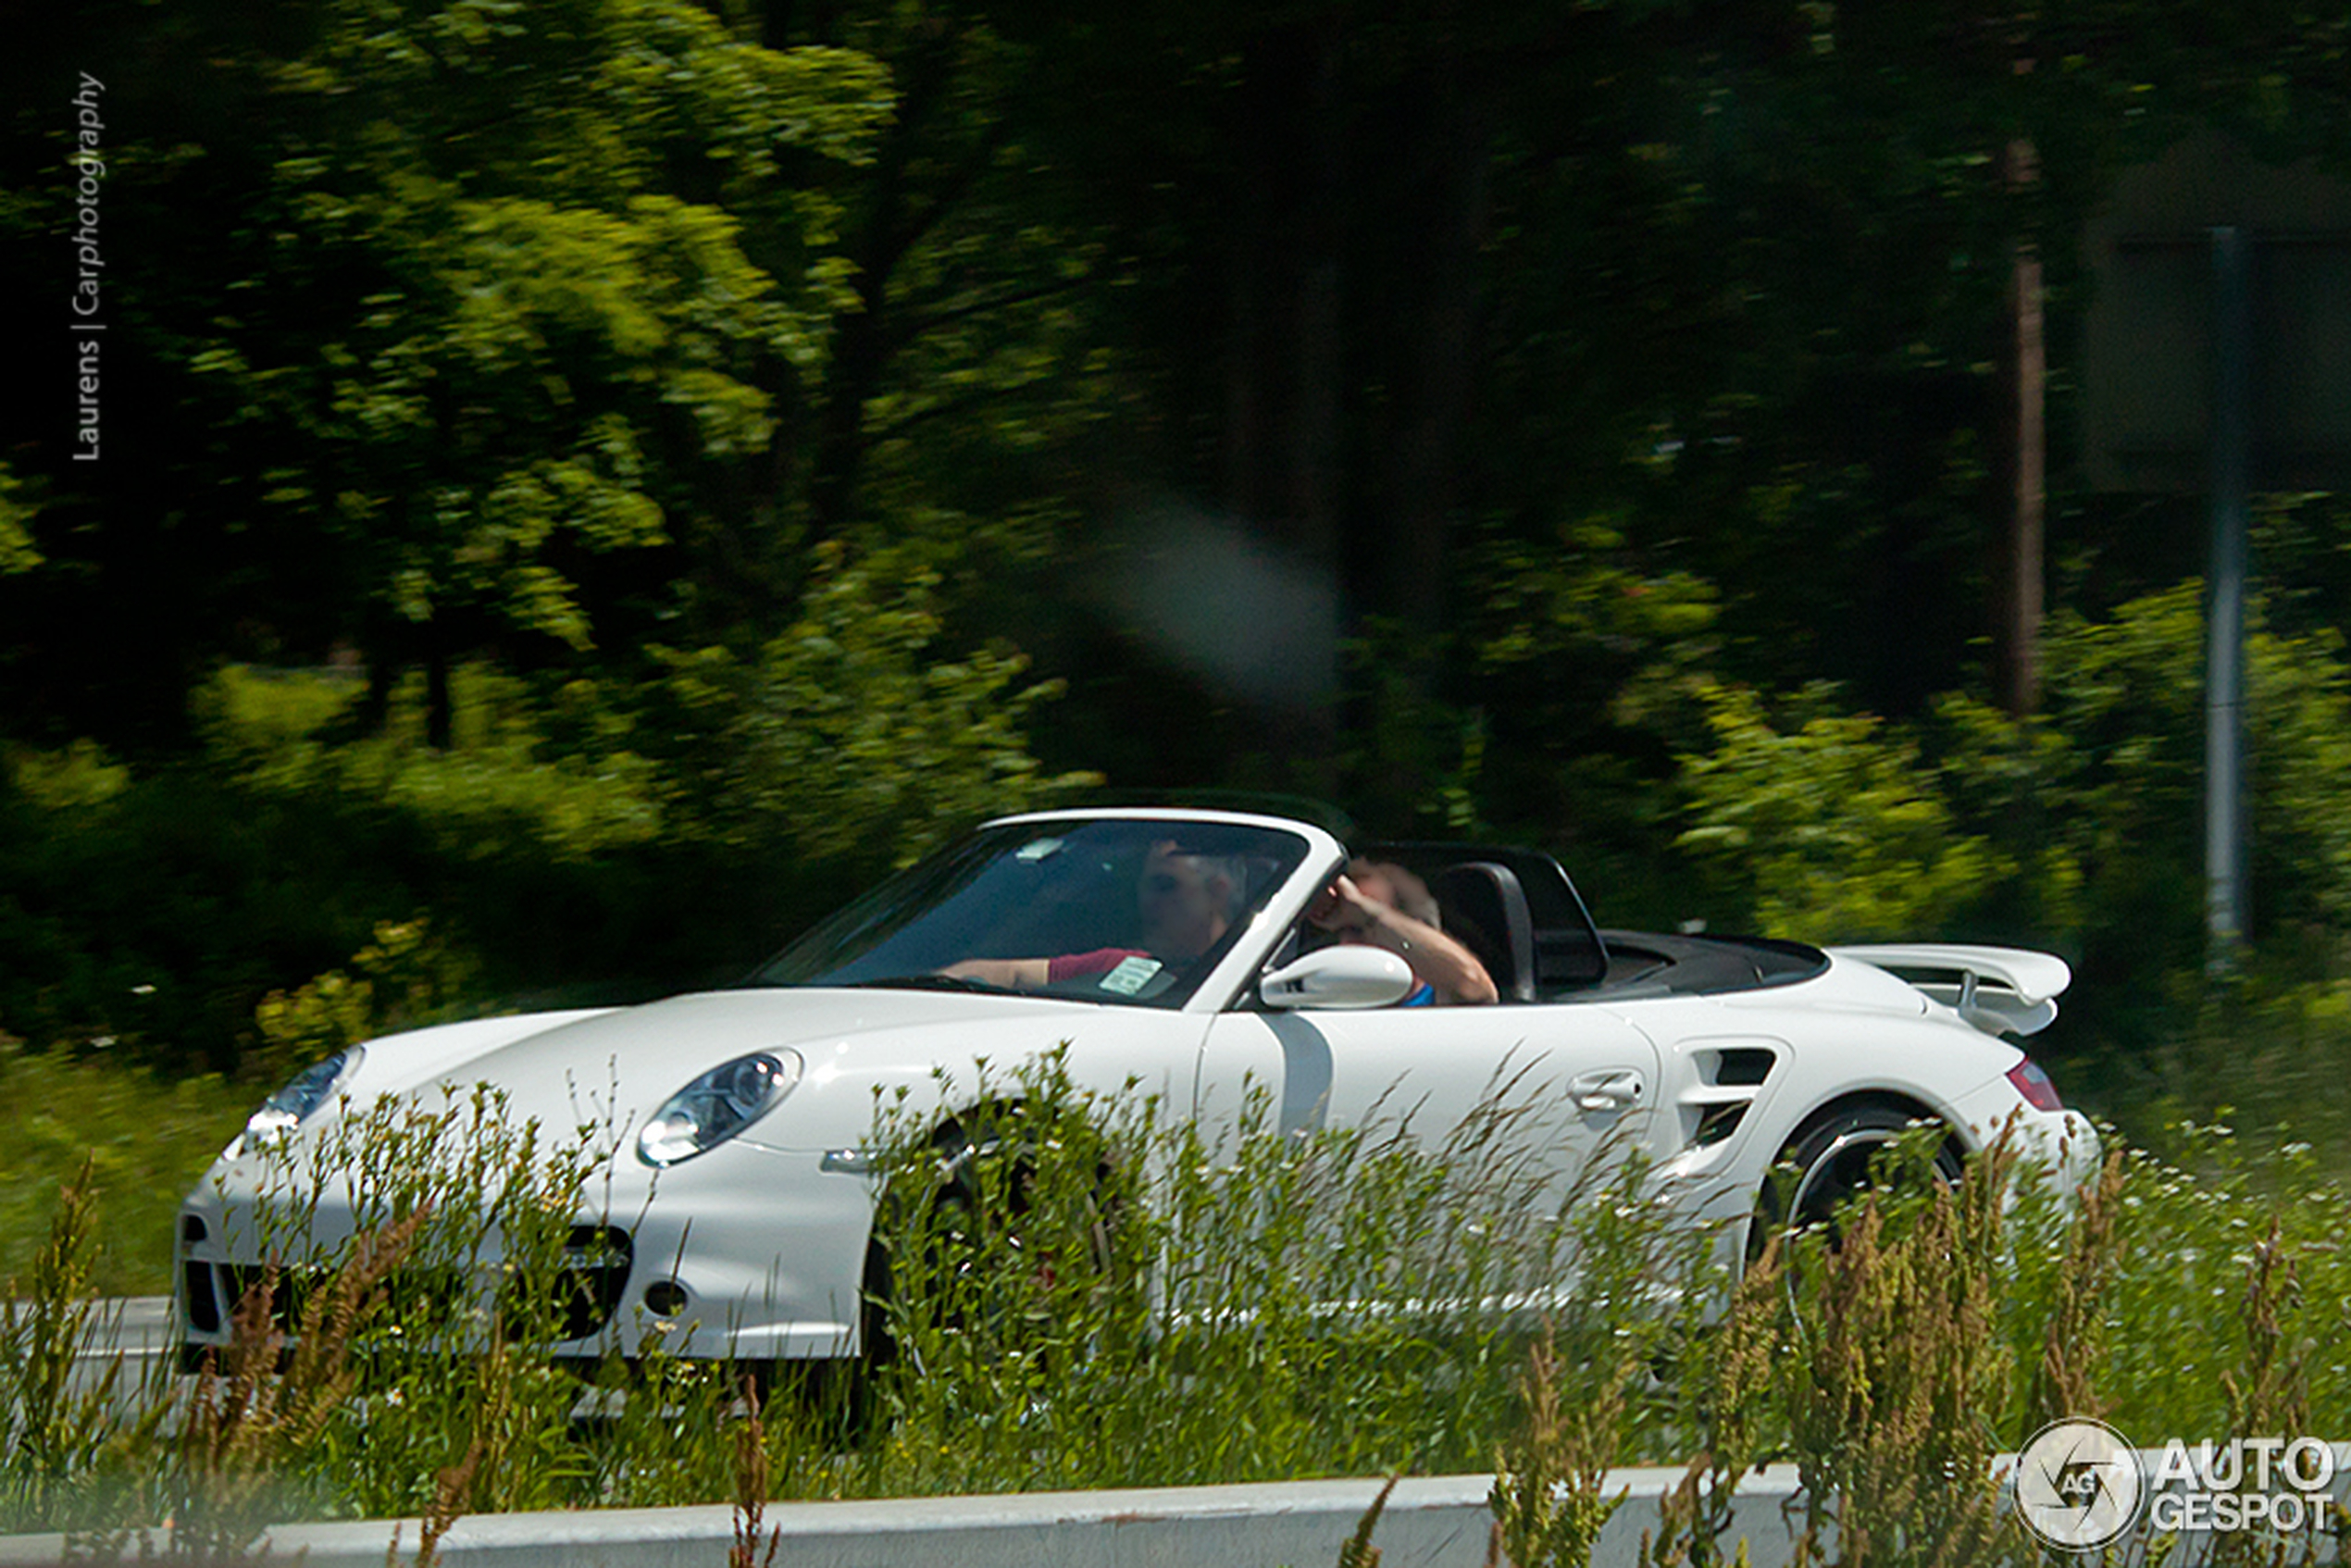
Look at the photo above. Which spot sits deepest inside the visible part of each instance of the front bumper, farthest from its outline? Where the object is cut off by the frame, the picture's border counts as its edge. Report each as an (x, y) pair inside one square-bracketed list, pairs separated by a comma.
[(747, 1253)]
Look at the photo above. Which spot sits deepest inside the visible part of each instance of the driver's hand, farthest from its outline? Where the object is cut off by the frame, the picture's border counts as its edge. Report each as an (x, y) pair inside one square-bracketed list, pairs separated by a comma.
[(1334, 908)]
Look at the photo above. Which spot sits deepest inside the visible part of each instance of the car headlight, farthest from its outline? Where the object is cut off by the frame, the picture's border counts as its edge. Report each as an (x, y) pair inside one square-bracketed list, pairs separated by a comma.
[(718, 1105), (303, 1093)]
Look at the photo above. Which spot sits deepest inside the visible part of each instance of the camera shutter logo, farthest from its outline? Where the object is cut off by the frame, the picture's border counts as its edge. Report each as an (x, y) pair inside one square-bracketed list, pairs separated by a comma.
[(2078, 1485)]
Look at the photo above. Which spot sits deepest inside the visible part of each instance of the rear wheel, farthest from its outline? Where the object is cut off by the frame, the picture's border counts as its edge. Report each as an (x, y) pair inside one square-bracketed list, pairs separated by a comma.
[(1840, 1153)]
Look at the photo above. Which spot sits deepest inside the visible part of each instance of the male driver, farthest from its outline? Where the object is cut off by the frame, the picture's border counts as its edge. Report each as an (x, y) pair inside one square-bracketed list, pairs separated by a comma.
[(1377, 905), (1187, 901)]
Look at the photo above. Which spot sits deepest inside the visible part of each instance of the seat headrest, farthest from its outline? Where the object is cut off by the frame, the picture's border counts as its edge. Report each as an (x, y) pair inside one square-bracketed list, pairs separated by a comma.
[(1486, 908)]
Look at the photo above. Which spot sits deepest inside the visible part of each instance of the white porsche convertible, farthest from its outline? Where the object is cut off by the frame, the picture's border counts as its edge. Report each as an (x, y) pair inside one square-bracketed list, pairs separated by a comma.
[(1192, 954)]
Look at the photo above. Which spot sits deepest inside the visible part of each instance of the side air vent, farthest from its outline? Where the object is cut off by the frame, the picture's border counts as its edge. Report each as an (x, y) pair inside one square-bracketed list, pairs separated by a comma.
[(1716, 1123), (1727, 1079)]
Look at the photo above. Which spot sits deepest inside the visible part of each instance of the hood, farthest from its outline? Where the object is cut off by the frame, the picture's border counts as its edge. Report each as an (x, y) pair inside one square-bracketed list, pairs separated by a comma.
[(616, 1067)]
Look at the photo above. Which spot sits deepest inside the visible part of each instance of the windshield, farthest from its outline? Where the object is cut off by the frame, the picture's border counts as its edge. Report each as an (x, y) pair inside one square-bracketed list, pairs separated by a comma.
[(1133, 912)]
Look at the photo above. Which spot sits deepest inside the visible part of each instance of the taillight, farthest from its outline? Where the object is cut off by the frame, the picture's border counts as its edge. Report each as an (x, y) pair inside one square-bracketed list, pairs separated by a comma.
[(2034, 1085)]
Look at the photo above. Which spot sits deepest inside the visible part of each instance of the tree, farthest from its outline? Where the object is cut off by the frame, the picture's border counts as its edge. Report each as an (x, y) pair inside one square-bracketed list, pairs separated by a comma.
[(495, 342)]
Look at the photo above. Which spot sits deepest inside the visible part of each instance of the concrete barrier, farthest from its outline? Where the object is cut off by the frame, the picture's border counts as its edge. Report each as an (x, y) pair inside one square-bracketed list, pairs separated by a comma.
[(1434, 1522), (1431, 1522)]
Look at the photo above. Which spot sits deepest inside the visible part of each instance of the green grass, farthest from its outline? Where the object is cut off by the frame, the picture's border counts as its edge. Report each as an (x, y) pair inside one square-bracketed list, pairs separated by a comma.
[(146, 1138), (2273, 1062), (1164, 1319)]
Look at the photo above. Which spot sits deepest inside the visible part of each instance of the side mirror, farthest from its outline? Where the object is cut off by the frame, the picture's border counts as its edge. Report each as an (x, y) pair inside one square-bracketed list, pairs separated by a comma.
[(1340, 977)]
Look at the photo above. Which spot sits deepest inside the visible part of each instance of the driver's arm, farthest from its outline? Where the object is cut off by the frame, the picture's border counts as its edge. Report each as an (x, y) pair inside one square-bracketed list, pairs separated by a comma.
[(1018, 974)]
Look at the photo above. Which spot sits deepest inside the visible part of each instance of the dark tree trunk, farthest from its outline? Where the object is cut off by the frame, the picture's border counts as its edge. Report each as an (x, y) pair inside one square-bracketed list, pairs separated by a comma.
[(439, 711), (1416, 535), (2019, 465), (1314, 467), (1280, 450), (897, 219), (373, 710)]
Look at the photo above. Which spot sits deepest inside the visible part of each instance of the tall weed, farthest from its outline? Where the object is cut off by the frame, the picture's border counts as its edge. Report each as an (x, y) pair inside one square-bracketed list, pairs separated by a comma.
[(1898, 1375), (1081, 1291), (455, 1369), (1146, 1304), (63, 1436)]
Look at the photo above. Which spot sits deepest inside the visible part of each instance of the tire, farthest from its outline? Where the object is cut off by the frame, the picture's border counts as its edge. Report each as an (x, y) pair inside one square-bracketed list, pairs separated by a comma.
[(1832, 1159), (984, 1247)]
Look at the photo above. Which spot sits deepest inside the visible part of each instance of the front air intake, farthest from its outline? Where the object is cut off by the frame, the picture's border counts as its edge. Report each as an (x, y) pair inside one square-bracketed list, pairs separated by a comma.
[(595, 1274)]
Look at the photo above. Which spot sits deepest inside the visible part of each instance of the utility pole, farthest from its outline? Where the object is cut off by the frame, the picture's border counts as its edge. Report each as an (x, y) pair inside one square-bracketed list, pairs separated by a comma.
[(2196, 383)]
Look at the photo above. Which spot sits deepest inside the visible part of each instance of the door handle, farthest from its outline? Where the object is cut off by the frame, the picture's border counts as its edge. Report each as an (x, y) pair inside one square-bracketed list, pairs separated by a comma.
[(1610, 1088)]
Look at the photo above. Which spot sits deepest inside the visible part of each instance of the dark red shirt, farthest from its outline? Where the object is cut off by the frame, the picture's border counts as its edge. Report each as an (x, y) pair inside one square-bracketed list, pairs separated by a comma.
[(1077, 965)]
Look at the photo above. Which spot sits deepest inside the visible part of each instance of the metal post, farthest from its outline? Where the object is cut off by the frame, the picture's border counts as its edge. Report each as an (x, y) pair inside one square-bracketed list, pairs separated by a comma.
[(2225, 828)]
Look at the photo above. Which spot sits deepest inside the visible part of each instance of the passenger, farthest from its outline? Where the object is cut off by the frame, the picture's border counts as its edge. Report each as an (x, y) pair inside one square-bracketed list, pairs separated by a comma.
[(1187, 902), (1375, 904)]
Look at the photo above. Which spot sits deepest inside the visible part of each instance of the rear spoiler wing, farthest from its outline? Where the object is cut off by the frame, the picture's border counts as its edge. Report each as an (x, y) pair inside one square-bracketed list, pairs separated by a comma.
[(2002, 990)]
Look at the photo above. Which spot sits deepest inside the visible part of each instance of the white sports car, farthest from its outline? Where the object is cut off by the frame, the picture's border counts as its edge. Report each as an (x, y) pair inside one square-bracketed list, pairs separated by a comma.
[(1189, 953)]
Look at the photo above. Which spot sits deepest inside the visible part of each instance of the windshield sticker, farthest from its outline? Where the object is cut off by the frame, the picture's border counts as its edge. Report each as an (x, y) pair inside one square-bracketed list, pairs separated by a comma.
[(1037, 849), (1131, 976)]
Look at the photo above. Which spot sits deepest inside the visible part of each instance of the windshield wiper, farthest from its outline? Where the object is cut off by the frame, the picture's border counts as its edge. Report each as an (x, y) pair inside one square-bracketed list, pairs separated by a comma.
[(932, 982)]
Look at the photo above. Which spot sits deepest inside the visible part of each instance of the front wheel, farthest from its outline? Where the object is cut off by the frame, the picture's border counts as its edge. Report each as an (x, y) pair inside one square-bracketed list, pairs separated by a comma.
[(1019, 1236)]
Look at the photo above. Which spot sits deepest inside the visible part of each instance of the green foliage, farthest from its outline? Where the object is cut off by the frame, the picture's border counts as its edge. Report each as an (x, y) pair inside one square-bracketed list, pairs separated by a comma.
[(516, 352), (2116, 782), (2264, 1052), (155, 908), (1898, 1378), (1946, 1324), (79, 775), (1585, 592), (60, 1431), (2127, 693), (403, 979), (159, 909), (2225, 1268), (2081, 825), (849, 737), (502, 790), (1549, 1502), (1837, 830), (18, 509), (481, 1208)]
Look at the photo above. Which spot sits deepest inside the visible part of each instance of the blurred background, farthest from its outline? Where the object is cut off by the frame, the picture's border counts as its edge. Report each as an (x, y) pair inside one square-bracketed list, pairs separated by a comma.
[(506, 503)]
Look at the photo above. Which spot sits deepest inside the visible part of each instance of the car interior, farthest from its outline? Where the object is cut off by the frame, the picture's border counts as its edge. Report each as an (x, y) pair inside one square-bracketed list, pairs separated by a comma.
[(1518, 911)]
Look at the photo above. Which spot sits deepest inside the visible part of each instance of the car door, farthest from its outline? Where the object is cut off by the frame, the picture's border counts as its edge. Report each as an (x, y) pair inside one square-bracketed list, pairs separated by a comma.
[(1581, 1083)]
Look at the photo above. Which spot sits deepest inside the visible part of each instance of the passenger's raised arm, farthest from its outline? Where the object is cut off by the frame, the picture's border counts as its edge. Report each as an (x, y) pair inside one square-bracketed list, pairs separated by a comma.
[(1386, 906)]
